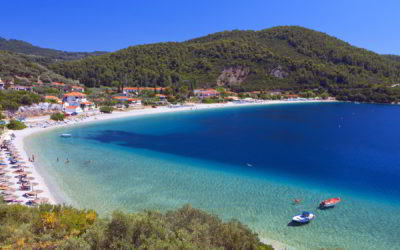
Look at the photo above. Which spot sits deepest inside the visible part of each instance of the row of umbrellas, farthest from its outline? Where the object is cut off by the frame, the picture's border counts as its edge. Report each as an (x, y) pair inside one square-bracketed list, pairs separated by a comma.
[(24, 178)]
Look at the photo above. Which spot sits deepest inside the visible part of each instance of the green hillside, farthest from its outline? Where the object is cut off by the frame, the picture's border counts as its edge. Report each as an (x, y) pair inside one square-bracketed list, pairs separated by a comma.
[(21, 68), (393, 57), (287, 58), (42, 55)]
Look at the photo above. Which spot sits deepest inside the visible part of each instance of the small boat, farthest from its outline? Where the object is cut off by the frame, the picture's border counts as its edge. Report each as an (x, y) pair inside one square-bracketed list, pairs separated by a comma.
[(329, 202), (304, 217), (66, 135)]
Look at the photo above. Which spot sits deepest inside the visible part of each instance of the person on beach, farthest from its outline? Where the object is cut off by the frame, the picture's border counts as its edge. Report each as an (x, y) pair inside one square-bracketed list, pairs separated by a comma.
[(33, 158)]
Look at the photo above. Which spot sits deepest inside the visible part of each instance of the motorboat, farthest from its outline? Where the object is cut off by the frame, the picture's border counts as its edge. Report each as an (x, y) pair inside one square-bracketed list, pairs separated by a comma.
[(329, 203), (304, 217), (66, 135)]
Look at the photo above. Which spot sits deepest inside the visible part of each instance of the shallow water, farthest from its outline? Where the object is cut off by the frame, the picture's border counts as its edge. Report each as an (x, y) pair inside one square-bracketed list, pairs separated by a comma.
[(246, 163)]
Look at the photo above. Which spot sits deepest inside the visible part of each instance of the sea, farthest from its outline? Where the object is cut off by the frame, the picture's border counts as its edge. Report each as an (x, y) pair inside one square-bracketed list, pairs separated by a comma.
[(246, 163)]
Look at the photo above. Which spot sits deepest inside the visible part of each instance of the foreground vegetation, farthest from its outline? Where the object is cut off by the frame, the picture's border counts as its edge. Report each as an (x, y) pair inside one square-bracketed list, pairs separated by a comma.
[(60, 227)]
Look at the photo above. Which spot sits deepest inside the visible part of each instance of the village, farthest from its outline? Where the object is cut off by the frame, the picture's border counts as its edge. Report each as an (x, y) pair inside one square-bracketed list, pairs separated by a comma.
[(72, 100)]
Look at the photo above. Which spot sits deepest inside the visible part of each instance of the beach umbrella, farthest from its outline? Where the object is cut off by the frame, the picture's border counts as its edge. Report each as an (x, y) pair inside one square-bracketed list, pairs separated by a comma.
[(10, 198), (7, 192), (36, 192), (18, 171), (40, 200)]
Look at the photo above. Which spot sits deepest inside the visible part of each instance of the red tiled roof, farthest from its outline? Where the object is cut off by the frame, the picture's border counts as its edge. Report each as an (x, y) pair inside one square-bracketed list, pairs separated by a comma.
[(58, 83), (87, 103), (75, 94)]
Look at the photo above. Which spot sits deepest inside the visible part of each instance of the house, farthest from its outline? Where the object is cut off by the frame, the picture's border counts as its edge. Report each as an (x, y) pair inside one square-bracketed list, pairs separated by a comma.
[(58, 84), (74, 98), (131, 90), (87, 105), (21, 88), (161, 97), (72, 110), (204, 93), (54, 98), (128, 99), (136, 90), (78, 89)]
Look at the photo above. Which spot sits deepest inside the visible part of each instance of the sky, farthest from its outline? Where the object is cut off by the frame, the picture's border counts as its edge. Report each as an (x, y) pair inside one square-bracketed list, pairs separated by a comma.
[(109, 25)]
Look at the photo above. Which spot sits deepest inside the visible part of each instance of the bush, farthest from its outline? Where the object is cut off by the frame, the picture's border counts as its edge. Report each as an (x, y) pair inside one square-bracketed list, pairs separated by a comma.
[(106, 109), (62, 227), (16, 125), (57, 117)]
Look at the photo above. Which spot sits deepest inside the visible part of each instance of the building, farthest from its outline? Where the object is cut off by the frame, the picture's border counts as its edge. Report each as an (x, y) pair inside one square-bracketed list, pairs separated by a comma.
[(128, 99), (53, 98), (77, 99), (133, 90), (161, 97), (21, 88), (74, 98), (78, 89), (137, 90), (205, 93), (70, 110), (87, 105), (58, 84)]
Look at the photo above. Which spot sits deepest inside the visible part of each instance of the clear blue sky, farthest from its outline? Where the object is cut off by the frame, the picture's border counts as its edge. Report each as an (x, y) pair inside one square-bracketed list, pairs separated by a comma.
[(79, 25)]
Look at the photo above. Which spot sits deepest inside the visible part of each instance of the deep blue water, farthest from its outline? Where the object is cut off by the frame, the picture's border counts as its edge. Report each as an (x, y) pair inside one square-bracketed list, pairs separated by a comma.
[(352, 146)]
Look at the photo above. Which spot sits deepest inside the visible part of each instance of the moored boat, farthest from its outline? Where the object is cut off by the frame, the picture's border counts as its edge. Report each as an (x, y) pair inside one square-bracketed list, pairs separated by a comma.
[(304, 217), (329, 203)]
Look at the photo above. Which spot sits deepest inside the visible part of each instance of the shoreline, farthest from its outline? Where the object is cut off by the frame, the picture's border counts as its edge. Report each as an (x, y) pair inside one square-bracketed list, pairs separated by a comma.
[(43, 185)]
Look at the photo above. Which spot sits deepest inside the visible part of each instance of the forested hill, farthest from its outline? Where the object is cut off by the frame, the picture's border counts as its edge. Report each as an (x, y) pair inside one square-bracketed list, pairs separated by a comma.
[(42, 55), (393, 57), (22, 69), (285, 57)]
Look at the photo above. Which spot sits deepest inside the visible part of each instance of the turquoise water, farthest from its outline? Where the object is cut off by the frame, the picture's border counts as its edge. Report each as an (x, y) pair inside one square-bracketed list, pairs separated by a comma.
[(246, 163)]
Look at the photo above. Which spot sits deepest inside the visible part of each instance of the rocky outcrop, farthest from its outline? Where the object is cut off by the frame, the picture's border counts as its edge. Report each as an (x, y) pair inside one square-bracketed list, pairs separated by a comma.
[(233, 76), (38, 109), (278, 72)]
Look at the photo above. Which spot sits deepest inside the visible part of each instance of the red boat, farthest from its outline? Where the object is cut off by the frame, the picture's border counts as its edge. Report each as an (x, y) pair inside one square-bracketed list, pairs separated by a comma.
[(329, 202)]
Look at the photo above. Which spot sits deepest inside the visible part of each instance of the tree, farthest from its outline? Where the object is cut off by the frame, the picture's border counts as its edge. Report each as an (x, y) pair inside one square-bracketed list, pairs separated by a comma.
[(106, 109), (16, 125), (26, 100), (57, 117)]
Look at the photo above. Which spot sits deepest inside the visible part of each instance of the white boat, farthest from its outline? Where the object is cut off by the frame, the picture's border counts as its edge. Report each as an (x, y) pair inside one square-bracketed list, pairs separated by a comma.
[(304, 217), (66, 135)]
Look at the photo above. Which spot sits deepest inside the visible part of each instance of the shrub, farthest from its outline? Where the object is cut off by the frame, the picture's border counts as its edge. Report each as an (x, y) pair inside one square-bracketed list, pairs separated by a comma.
[(57, 117), (106, 109), (16, 125)]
